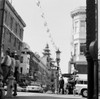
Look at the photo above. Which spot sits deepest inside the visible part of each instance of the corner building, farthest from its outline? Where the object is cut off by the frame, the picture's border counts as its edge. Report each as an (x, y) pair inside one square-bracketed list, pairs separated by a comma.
[(13, 28), (79, 40)]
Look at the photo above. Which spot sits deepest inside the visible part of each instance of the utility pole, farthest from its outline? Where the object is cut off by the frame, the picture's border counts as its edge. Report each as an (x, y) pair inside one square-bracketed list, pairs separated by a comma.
[(2, 2), (92, 48), (2, 5)]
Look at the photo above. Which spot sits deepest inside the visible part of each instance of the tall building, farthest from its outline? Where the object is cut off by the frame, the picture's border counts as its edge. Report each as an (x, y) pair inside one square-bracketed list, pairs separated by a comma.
[(79, 40), (13, 27)]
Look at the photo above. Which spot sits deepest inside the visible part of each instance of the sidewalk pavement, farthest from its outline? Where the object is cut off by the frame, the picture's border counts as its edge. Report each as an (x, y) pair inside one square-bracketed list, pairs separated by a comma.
[(20, 95), (29, 95)]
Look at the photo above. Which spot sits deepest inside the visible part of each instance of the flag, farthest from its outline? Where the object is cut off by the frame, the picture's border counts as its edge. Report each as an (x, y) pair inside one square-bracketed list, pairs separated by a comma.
[(48, 30), (42, 15), (38, 3), (45, 23)]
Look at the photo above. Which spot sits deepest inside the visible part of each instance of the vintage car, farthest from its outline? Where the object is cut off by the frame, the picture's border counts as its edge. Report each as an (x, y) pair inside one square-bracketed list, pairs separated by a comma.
[(34, 88), (81, 88)]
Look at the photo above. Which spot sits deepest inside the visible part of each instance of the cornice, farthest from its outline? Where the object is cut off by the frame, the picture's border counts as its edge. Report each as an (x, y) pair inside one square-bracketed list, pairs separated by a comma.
[(78, 11), (15, 12)]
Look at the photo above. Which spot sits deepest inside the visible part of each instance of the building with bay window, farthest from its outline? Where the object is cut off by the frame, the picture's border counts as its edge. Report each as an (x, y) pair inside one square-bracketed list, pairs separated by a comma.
[(78, 60)]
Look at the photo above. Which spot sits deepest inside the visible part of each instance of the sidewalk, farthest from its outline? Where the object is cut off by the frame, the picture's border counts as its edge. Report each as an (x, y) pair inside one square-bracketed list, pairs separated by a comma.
[(26, 95), (20, 95)]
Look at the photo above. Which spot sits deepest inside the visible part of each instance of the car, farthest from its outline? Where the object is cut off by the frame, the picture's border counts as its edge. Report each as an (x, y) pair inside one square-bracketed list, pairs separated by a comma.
[(81, 88), (34, 88), (20, 89)]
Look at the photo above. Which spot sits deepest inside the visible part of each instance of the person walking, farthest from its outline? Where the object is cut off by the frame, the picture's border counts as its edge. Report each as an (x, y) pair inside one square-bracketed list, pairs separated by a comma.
[(16, 74), (6, 66), (61, 85), (13, 62)]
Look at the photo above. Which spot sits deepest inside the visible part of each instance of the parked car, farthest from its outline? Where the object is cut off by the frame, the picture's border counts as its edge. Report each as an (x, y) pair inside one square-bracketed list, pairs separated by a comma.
[(81, 88), (34, 88), (20, 89)]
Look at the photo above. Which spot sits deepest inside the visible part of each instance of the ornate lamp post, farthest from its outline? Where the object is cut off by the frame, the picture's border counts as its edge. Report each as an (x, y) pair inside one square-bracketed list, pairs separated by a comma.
[(57, 60), (58, 57)]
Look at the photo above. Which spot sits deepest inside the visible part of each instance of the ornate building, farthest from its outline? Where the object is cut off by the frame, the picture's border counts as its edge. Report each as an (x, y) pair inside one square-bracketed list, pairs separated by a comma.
[(79, 40)]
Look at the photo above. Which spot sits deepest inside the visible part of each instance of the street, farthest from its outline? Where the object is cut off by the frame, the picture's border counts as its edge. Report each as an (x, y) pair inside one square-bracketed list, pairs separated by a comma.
[(51, 47), (27, 95)]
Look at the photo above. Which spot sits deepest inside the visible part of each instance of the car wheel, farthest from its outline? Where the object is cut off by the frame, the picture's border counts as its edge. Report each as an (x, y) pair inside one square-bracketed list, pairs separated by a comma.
[(84, 93)]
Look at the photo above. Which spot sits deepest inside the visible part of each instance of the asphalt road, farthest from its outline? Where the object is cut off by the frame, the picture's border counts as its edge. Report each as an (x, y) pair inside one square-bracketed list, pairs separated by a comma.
[(27, 95)]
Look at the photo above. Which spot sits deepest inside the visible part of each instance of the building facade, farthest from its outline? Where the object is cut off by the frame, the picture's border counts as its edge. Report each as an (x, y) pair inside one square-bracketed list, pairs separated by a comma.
[(24, 59), (13, 28), (36, 69), (78, 60)]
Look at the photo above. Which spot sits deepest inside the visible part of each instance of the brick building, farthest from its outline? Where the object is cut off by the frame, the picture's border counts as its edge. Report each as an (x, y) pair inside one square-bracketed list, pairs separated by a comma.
[(13, 27)]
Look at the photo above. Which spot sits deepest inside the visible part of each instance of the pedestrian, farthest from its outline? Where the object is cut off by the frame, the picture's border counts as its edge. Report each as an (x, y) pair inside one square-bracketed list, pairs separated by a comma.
[(6, 65), (61, 85), (13, 62), (16, 74)]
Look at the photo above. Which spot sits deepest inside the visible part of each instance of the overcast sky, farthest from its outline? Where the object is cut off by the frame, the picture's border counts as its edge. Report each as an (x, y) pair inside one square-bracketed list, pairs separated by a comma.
[(59, 23)]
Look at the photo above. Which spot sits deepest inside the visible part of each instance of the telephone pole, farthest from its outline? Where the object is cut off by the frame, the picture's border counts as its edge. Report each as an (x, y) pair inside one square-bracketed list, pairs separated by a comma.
[(92, 48), (2, 5)]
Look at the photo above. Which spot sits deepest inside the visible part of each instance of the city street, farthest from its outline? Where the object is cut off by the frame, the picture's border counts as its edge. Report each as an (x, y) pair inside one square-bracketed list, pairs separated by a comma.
[(49, 49), (27, 95)]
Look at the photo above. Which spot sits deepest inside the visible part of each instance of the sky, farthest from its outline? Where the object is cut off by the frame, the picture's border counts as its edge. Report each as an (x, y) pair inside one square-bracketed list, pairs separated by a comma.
[(57, 15)]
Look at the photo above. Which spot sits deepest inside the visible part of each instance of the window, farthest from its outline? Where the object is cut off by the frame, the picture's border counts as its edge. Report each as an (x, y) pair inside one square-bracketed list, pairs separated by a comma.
[(76, 26), (11, 23), (5, 17), (82, 48), (15, 42), (16, 25), (82, 25), (20, 33), (23, 52), (9, 37), (75, 49), (18, 30), (52, 80)]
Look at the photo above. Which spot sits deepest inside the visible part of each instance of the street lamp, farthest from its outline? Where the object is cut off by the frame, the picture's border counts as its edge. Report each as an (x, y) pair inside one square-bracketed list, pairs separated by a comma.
[(57, 60), (58, 56)]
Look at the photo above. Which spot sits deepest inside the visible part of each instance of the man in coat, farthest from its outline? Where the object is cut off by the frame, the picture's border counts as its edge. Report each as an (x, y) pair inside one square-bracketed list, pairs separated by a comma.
[(61, 85)]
